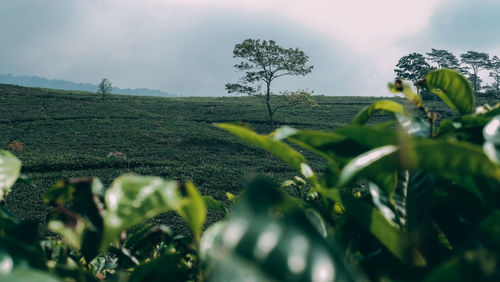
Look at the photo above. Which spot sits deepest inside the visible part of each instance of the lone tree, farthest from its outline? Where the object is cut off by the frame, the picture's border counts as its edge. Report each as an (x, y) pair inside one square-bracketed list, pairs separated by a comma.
[(475, 61), (263, 62), (104, 88)]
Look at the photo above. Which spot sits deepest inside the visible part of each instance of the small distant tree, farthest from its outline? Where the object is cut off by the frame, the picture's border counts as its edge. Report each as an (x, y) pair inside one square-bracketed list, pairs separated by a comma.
[(474, 62), (443, 59), (494, 68), (263, 62), (104, 88), (412, 67)]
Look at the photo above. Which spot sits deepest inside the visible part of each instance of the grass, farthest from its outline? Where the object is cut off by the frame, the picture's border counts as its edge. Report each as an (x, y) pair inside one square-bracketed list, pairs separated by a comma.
[(71, 134)]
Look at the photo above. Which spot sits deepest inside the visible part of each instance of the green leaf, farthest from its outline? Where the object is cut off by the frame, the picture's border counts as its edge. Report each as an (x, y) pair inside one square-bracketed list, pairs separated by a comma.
[(283, 151), (256, 244), (164, 268), (405, 88), (193, 211), (212, 203), (381, 105), (10, 168), (362, 162), (82, 223), (414, 126), (395, 240), (72, 227), (7, 220), (131, 199), (453, 88), (23, 274), (453, 160), (491, 225)]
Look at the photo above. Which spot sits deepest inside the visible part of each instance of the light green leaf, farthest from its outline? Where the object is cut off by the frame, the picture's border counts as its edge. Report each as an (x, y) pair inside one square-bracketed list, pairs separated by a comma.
[(10, 168), (212, 203), (381, 105), (453, 88), (131, 199), (193, 211), (283, 151)]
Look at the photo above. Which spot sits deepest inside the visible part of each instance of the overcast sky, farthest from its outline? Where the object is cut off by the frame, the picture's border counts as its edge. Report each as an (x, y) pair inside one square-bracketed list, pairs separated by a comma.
[(185, 46)]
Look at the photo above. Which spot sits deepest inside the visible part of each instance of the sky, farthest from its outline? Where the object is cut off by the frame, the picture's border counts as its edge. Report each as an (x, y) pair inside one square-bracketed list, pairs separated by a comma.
[(185, 46)]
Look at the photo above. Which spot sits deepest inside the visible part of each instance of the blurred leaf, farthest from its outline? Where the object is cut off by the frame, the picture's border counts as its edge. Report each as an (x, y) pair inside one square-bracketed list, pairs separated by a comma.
[(414, 126), (402, 87), (82, 224), (193, 211), (491, 134), (395, 240), (71, 226), (452, 160), (131, 199), (377, 165), (164, 268), (453, 88), (60, 194), (23, 274), (7, 220), (381, 105), (10, 168), (276, 147), (212, 203), (142, 242), (257, 244), (491, 225)]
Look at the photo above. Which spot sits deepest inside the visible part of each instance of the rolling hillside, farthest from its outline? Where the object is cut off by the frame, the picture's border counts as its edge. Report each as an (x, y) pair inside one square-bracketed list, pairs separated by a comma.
[(75, 134)]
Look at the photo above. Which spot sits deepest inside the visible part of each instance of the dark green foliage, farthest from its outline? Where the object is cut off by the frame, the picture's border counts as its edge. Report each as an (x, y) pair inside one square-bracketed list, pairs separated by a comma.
[(433, 199)]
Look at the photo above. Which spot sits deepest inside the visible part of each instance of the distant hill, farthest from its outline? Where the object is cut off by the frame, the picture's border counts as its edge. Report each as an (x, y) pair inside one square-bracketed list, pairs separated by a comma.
[(36, 81)]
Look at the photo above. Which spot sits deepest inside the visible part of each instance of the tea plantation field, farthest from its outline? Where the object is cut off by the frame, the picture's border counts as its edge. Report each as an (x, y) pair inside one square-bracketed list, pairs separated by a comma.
[(75, 134)]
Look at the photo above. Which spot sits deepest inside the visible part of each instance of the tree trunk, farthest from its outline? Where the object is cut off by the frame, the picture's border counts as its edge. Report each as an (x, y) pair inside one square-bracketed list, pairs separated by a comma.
[(268, 103)]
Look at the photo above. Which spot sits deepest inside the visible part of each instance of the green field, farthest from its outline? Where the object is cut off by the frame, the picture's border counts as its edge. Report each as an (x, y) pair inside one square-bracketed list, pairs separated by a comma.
[(70, 134)]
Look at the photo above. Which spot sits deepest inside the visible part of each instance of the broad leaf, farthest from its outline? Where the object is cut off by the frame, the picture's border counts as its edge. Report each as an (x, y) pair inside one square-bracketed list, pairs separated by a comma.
[(382, 105), (255, 244), (453, 88), (10, 168), (453, 160), (131, 199), (395, 240)]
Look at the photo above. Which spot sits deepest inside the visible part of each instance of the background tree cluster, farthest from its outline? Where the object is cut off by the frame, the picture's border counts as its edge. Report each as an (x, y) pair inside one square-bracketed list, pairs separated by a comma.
[(415, 66)]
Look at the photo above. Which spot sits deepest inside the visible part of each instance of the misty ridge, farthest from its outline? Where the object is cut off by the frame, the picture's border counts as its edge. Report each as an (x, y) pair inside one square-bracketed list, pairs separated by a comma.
[(36, 81)]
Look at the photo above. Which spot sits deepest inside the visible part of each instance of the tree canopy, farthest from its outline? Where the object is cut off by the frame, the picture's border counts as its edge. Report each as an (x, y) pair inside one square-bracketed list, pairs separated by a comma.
[(263, 62)]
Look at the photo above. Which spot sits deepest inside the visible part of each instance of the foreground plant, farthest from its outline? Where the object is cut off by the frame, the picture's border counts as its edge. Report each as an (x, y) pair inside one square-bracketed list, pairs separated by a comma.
[(421, 202)]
